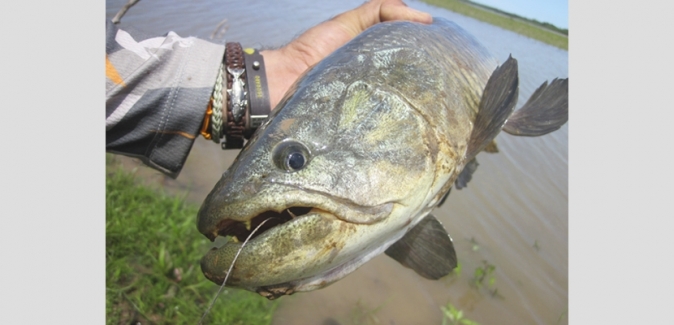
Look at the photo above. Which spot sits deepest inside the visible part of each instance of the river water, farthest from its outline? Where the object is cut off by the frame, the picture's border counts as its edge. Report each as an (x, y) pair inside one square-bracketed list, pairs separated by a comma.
[(513, 214)]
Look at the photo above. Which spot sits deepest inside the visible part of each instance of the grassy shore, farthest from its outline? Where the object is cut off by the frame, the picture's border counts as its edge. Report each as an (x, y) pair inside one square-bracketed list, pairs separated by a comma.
[(514, 24), (152, 262)]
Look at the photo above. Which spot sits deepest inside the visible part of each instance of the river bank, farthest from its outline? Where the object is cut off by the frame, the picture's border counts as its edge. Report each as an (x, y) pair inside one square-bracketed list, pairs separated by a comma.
[(511, 23)]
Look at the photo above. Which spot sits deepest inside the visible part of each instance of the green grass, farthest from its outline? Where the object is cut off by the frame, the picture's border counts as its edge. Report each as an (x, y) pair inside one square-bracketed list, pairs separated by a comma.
[(152, 263), (453, 316), (507, 22)]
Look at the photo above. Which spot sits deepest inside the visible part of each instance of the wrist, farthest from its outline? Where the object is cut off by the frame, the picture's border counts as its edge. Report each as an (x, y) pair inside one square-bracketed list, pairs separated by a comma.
[(240, 101), (281, 73)]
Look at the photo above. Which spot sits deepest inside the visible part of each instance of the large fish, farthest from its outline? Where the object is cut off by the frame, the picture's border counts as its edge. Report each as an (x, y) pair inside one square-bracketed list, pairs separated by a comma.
[(362, 148)]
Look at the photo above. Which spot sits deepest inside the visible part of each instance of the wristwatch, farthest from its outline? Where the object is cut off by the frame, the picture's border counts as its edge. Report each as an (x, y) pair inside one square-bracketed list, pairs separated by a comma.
[(248, 103)]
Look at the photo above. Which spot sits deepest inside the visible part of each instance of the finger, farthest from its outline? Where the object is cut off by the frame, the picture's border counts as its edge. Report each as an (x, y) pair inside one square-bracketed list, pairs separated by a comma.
[(375, 11), (397, 10)]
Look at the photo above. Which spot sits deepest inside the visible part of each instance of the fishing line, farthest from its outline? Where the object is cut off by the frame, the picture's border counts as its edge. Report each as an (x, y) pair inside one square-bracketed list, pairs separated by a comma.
[(230, 268)]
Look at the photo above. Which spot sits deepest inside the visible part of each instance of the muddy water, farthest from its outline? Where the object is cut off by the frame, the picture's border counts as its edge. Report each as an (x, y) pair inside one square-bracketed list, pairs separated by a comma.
[(513, 215)]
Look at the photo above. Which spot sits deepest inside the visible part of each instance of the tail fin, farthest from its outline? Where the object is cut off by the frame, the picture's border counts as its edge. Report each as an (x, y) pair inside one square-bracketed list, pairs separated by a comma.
[(545, 111)]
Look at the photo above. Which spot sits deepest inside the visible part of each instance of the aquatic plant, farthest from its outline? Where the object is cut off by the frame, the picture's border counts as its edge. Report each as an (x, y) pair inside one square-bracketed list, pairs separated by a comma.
[(453, 316)]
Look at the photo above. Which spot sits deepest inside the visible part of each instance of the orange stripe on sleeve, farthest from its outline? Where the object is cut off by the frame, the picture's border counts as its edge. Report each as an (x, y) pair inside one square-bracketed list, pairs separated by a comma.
[(112, 73), (181, 133)]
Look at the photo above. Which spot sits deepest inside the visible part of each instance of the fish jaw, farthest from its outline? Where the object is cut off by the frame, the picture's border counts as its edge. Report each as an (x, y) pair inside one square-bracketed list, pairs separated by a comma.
[(219, 211), (306, 253)]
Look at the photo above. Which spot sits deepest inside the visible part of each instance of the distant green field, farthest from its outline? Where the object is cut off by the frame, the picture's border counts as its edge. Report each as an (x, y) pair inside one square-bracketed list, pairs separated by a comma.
[(506, 21)]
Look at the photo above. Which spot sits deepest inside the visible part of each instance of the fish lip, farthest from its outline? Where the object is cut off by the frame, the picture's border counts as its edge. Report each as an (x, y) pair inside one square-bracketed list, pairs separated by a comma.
[(212, 220), (215, 267)]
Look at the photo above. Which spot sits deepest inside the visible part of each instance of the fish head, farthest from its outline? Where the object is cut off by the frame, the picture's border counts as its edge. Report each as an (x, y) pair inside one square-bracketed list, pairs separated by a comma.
[(338, 172)]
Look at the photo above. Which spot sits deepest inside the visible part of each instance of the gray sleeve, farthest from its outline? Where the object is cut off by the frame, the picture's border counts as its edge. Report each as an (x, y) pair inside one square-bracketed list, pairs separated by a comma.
[(157, 90)]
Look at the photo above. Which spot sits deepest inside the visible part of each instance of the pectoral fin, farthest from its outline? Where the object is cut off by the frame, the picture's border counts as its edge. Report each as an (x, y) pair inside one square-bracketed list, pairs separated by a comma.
[(545, 111), (427, 249)]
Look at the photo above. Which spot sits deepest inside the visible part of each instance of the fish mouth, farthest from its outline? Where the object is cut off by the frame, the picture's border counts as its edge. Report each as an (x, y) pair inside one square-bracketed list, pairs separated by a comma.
[(237, 219), (239, 231), (301, 234), (270, 244)]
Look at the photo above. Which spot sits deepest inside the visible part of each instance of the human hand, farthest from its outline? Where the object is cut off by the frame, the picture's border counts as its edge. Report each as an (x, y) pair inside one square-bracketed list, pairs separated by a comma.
[(286, 64)]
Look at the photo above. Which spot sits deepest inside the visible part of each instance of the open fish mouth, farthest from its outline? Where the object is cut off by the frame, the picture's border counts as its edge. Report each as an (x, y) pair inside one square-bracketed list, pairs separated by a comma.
[(276, 252), (239, 231), (238, 219), (302, 234)]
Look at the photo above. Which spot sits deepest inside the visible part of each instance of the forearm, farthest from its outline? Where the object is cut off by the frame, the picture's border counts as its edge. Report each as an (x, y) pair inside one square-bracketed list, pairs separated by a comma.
[(157, 90)]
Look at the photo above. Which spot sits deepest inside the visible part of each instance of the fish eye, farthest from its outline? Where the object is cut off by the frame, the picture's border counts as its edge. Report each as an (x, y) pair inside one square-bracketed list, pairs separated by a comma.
[(290, 156), (296, 160)]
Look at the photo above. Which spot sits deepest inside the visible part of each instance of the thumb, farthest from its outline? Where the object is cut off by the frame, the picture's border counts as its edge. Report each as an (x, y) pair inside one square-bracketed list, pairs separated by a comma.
[(397, 10)]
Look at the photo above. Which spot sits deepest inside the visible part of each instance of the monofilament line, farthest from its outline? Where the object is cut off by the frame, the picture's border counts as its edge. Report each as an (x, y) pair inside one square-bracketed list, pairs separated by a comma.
[(231, 266)]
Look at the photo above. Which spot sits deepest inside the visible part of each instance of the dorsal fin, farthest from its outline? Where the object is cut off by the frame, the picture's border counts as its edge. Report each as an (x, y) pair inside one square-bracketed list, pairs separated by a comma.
[(545, 111), (497, 103), (427, 249)]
